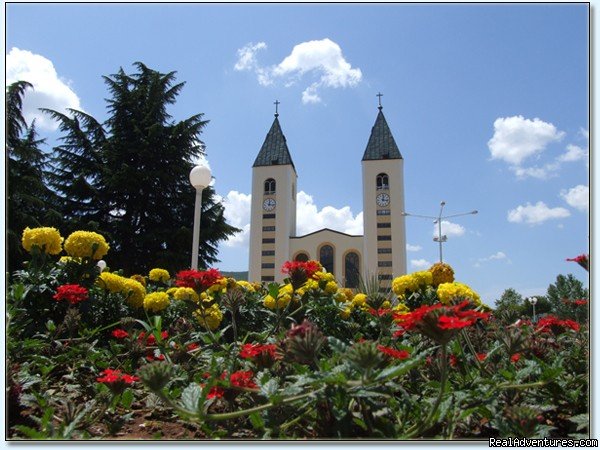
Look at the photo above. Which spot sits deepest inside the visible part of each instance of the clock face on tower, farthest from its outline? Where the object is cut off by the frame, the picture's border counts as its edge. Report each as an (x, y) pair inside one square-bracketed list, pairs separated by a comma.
[(383, 199), (269, 204)]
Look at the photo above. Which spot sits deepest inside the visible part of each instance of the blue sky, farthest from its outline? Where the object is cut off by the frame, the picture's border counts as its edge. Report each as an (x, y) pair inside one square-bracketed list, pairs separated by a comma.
[(487, 103)]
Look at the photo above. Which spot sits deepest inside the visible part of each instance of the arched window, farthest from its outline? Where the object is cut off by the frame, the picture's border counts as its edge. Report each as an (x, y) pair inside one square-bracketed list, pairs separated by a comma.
[(326, 257), (303, 257), (352, 269), (270, 186), (382, 181)]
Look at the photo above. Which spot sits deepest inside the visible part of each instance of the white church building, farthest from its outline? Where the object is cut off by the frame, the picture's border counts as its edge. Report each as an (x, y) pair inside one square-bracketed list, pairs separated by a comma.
[(273, 240)]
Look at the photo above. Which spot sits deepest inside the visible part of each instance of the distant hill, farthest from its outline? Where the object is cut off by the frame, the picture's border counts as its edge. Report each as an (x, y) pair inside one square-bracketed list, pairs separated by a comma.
[(237, 275)]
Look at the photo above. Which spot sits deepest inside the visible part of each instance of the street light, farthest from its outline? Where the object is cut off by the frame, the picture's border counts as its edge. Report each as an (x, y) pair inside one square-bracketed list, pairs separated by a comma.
[(440, 238), (200, 177), (533, 301)]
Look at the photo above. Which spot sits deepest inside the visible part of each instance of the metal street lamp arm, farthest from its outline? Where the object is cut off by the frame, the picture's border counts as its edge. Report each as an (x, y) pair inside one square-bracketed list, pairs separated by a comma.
[(461, 214)]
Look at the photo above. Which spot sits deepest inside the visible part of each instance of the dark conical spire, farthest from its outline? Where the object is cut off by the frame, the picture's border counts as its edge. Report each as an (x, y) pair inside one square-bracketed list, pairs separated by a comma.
[(381, 143), (274, 150)]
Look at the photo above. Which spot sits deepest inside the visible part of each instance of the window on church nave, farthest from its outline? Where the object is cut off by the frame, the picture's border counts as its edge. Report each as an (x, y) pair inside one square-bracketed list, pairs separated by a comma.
[(270, 186), (382, 181), (326, 257), (352, 270), (302, 257)]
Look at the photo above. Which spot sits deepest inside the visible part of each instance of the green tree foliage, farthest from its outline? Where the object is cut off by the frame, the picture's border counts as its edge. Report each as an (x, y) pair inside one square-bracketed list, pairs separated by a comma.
[(563, 292), (128, 177), (30, 202), (509, 306)]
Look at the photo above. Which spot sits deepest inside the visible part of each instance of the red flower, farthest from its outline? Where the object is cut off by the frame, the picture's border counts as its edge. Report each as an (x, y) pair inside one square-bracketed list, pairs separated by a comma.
[(250, 351), (192, 346), (151, 340), (150, 357), (216, 392), (397, 354), (515, 358), (73, 293), (453, 361), (439, 322), (119, 333), (115, 380), (555, 325), (242, 379), (380, 312), (580, 302), (452, 323), (583, 260), (309, 267), (196, 279), (481, 356)]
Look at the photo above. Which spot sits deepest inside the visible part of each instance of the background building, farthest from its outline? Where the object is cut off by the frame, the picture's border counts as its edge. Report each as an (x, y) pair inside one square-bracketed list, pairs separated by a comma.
[(382, 248)]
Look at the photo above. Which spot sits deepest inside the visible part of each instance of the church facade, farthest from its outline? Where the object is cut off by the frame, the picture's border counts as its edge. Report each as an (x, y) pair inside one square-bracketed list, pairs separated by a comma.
[(380, 251)]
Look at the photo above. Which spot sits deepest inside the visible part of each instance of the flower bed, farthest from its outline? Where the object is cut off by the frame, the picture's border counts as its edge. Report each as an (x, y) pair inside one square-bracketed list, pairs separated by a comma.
[(95, 354)]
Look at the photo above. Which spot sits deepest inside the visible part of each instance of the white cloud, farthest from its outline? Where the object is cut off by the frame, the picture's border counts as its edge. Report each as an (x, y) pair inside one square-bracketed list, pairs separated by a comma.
[(573, 153), (496, 256), (320, 59), (237, 213), (247, 56), (49, 90), (542, 173), (516, 138), (577, 197), (536, 214), (413, 248), (310, 219), (420, 263), (449, 229)]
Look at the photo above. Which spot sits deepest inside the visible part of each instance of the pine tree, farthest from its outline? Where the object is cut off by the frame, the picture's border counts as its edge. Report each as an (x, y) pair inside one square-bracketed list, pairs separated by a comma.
[(130, 175), (30, 202)]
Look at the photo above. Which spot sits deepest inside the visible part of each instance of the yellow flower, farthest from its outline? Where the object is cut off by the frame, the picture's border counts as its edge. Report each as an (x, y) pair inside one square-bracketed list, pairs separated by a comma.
[(323, 276), (359, 300), (331, 287), (345, 313), (411, 283), (139, 278), (348, 293), (86, 244), (386, 304), (134, 291), (248, 287), (447, 292), (269, 302), (111, 282), (339, 296), (159, 275), (401, 308), (210, 318), (69, 259), (47, 239), (156, 301), (186, 293), (441, 273), (172, 290)]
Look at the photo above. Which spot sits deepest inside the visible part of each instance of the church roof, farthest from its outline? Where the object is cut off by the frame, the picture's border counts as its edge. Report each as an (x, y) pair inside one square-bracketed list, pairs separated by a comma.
[(274, 150), (381, 143)]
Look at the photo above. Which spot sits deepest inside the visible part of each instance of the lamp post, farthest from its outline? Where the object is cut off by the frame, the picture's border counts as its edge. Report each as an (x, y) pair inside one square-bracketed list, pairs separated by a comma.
[(440, 238), (200, 177), (533, 301)]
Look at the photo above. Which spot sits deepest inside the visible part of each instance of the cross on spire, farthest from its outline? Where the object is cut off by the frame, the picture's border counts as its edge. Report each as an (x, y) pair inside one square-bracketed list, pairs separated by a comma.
[(379, 95), (276, 103)]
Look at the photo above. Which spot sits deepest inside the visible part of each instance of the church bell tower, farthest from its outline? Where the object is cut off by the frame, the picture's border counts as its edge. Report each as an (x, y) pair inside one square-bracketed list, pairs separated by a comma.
[(383, 205), (273, 207)]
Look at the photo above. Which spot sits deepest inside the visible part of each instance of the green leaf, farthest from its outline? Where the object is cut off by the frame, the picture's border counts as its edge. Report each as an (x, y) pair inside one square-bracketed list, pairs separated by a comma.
[(126, 398), (336, 345), (31, 433), (190, 397), (399, 369), (257, 421)]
